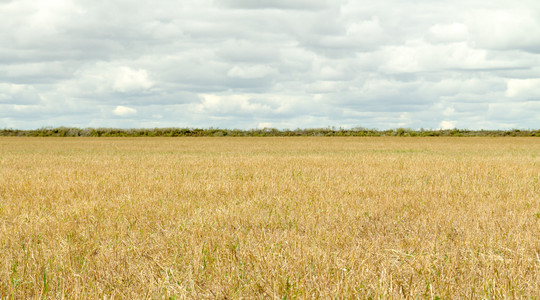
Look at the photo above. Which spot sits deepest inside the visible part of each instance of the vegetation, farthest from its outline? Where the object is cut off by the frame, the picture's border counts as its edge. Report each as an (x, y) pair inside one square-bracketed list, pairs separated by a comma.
[(343, 217), (197, 132)]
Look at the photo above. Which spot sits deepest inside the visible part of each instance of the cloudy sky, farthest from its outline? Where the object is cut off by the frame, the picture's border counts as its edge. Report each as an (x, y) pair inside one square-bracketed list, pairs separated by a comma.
[(270, 63)]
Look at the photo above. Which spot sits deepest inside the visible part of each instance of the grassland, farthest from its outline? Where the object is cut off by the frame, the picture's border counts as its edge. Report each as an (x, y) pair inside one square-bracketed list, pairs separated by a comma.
[(174, 218)]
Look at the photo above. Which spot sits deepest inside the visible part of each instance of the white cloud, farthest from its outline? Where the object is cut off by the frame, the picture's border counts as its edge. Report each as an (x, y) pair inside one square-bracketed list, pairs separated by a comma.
[(103, 78), (241, 104), (263, 125), (124, 111), (523, 88), (238, 63), (447, 125), (126, 79), (419, 56), (506, 29), (278, 4), (247, 72), (18, 93), (448, 33)]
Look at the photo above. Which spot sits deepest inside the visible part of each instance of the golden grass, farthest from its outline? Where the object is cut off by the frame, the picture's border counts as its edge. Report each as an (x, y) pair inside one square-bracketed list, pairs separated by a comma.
[(269, 218)]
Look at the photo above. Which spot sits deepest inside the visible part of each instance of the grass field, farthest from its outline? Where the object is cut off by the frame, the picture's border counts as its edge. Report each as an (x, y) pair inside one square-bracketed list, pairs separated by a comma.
[(174, 218)]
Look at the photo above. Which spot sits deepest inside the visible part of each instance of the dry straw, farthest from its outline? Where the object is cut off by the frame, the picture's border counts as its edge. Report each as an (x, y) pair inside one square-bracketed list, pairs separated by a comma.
[(173, 218)]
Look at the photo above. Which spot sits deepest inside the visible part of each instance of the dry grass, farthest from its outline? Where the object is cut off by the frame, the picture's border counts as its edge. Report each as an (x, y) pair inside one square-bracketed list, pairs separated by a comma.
[(269, 217)]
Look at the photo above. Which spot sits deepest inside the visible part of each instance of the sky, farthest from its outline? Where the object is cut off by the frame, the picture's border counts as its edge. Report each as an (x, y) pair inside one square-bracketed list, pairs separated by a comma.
[(244, 64)]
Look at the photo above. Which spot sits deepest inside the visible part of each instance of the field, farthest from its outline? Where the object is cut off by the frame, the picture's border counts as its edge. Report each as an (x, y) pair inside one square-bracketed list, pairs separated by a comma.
[(175, 218)]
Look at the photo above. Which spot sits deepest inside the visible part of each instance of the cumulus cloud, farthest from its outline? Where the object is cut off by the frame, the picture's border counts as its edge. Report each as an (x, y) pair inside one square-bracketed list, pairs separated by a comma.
[(263, 125), (506, 29), (106, 78), (124, 111), (246, 72), (447, 125), (448, 33), (524, 88), (18, 93), (240, 64), (278, 4), (127, 80)]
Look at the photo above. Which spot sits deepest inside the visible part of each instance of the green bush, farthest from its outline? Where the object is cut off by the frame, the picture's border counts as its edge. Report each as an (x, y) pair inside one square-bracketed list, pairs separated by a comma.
[(198, 132)]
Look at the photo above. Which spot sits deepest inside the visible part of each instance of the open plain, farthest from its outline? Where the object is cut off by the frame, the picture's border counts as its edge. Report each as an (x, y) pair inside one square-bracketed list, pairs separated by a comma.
[(321, 217)]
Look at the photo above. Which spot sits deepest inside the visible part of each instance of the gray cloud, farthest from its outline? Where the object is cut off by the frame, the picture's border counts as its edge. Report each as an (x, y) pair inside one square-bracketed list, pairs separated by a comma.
[(287, 64)]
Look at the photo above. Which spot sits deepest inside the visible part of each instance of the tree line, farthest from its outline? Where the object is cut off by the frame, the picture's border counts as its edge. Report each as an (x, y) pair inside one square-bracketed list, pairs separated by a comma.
[(200, 132)]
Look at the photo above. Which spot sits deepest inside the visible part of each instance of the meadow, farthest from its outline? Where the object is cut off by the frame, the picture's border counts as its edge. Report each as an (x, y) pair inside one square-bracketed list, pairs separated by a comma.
[(272, 217)]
